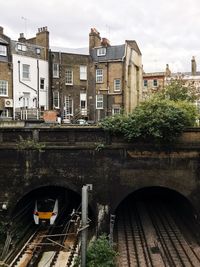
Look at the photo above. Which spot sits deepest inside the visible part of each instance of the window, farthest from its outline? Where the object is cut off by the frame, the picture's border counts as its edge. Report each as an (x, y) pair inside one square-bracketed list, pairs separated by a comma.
[(99, 75), (155, 82), (56, 103), (69, 77), (83, 103), (99, 102), (3, 50), (26, 99), (55, 70), (38, 51), (101, 51), (42, 83), (83, 72), (68, 106), (3, 88), (116, 110), (21, 47), (117, 85), (26, 72), (145, 83), (4, 113)]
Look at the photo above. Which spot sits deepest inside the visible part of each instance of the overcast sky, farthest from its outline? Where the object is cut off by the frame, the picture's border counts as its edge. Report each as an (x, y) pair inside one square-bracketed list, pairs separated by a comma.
[(166, 31)]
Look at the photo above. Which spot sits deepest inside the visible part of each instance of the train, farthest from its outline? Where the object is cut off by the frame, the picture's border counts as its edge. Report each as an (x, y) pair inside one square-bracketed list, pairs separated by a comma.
[(45, 211)]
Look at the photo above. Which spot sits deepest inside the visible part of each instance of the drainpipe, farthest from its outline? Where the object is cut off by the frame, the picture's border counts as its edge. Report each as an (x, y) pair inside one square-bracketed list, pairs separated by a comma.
[(38, 84)]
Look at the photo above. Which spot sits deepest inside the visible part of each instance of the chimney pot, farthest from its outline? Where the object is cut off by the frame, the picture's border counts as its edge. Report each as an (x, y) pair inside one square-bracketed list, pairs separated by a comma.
[(1, 30)]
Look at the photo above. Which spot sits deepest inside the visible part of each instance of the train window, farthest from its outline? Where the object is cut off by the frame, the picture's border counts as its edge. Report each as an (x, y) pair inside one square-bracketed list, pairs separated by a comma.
[(45, 205)]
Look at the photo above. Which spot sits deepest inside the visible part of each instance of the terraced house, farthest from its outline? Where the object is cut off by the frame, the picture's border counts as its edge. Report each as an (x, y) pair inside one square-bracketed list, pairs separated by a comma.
[(103, 82), (6, 92)]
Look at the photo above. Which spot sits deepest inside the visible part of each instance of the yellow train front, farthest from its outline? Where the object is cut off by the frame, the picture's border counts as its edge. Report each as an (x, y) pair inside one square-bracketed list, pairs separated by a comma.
[(45, 211)]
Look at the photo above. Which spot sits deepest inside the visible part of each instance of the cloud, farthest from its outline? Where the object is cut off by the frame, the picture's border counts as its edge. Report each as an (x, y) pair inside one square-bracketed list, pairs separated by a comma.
[(166, 31)]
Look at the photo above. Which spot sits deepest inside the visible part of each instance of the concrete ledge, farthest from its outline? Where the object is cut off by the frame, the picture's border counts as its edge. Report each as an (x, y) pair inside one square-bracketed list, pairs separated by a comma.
[(12, 124)]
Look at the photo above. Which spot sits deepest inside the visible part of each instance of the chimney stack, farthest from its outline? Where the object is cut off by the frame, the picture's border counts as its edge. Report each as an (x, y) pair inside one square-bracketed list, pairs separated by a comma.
[(167, 71), (22, 38), (105, 42), (94, 39), (194, 66), (1, 30)]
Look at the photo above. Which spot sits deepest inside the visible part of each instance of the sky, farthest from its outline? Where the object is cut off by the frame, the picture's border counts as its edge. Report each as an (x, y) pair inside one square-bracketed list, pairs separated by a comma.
[(167, 32)]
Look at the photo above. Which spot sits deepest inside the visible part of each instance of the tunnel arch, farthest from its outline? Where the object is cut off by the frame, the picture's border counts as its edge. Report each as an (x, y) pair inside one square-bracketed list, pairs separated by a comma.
[(31, 195), (160, 192)]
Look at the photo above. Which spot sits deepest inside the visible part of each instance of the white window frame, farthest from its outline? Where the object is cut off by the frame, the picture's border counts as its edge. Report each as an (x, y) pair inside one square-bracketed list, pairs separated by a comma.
[(69, 76), (99, 101), (3, 88), (117, 86), (56, 99), (38, 51), (55, 70), (116, 108), (26, 72), (83, 72), (68, 106), (99, 75), (101, 51), (21, 47), (3, 50)]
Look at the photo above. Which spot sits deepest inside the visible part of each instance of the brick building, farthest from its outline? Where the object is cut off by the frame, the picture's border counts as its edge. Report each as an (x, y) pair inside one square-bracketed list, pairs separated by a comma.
[(6, 82), (99, 84)]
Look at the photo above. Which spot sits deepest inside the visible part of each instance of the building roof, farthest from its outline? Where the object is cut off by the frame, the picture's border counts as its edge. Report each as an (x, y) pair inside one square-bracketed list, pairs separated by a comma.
[(78, 51), (133, 45), (112, 53), (2, 41)]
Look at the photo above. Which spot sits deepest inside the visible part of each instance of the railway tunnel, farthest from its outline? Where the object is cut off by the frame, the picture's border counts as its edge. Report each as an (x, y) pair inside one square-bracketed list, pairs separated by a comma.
[(157, 225), (22, 215)]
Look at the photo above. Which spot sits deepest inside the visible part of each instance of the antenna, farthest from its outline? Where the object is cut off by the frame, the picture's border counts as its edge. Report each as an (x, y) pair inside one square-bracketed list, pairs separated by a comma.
[(25, 25), (108, 31)]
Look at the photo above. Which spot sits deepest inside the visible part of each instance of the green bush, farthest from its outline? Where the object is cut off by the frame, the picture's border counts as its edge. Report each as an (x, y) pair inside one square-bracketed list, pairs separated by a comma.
[(100, 254), (156, 120)]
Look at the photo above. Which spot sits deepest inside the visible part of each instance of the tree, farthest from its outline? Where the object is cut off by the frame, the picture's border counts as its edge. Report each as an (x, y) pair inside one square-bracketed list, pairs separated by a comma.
[(156, 120), (178, 90)]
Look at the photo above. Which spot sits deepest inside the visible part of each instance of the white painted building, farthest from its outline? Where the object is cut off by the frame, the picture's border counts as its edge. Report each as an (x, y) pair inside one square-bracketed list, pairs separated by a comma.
[(30, 77)]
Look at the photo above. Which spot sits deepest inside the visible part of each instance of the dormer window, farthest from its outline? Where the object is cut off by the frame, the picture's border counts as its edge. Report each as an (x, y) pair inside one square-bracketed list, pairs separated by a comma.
[(3, 50), (21, 47), (101, 51)]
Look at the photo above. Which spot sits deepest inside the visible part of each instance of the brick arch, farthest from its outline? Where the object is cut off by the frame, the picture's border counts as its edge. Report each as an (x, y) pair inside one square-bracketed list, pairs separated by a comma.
[(183, 194)]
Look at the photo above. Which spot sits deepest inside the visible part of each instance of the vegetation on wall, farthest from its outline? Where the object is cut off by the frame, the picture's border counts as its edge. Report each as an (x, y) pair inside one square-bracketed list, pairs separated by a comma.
[(26, 144), (161, 119)]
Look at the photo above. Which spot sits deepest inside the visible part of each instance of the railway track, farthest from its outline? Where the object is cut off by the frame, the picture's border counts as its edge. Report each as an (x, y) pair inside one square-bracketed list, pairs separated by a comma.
[(50, 247), (148, 236)]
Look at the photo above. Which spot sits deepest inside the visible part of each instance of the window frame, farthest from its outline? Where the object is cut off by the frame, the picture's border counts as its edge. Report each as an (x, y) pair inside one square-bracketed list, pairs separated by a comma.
[(56, 99), (145, 82), (83, 72), (155, 85), (21, 47), (3, 51), (101, 51), (42, 83), (99, 101), (99, 77), (115, 85), (69, 76), (24, 77), (55, 70), (3, 87), (116, 108)]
